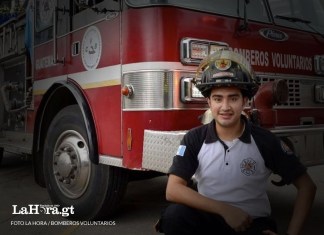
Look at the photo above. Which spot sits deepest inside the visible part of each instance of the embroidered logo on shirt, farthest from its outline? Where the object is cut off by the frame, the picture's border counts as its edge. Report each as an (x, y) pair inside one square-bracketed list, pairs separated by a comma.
[(248, 166), (181, 150)]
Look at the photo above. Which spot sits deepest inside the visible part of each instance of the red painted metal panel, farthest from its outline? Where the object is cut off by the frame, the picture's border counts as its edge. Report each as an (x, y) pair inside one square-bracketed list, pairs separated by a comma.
[(154, 34), (110, 36), (138, 121), (104, 100), (105, 104)]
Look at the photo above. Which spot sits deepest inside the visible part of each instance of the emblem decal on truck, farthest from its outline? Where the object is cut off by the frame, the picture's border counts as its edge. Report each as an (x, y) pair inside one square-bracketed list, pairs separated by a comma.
[(273, 34), (91, 48)]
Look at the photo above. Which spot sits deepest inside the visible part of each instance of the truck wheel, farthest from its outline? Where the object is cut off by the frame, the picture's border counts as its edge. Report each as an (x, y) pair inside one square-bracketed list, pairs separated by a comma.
[(94, 191)]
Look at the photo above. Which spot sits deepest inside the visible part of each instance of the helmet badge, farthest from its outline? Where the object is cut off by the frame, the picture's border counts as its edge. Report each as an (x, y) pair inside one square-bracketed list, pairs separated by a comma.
[(223, 64)]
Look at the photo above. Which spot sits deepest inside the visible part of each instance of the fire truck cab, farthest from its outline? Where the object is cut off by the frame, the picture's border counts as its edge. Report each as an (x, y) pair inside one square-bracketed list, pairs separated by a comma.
[(97, 90)]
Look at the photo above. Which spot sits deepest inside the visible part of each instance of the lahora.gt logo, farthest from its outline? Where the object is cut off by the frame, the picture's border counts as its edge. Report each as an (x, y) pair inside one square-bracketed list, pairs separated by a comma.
[(34, 209)]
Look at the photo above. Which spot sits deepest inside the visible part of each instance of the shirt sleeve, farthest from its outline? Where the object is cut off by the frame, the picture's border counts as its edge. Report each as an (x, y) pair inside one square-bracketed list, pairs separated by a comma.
[(185, 162), (278, 156)]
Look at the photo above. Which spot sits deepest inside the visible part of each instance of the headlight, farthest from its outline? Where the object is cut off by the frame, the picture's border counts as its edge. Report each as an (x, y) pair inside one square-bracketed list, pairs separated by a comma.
[(189, 92), (194, 50)]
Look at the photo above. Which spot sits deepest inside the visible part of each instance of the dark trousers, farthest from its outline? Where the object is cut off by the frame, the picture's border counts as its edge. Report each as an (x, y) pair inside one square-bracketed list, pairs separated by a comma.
[(182, 220)]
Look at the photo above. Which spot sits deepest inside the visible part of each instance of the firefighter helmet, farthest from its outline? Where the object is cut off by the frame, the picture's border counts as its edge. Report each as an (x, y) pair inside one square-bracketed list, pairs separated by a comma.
[(226, 68)]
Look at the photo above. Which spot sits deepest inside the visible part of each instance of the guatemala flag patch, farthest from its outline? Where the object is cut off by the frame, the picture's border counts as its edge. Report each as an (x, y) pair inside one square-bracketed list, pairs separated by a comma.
[(181, 150)]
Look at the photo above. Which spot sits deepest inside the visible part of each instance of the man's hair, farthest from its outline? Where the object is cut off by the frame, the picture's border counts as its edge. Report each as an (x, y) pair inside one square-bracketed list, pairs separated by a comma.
[(207, 93)]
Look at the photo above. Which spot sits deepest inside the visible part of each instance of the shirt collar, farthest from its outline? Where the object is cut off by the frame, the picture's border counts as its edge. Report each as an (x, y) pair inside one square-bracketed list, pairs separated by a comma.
[(212, 136)]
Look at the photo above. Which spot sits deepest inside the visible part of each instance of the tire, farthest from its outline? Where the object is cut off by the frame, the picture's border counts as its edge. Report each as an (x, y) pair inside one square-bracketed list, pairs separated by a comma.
[(94, 191)]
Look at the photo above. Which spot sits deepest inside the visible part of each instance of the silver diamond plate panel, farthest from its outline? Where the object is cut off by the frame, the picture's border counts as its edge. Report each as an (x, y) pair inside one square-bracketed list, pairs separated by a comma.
[(159, 149), (111, 161)]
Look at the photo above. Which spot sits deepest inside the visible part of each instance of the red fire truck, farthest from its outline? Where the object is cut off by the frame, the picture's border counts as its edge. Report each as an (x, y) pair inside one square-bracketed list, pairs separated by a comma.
[(98, 90)]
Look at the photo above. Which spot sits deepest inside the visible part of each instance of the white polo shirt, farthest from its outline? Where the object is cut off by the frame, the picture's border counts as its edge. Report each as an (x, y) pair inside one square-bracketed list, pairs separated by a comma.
[(238, 174)]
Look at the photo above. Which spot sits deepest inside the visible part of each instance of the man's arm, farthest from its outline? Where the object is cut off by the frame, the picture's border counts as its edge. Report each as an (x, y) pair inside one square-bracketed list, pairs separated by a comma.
[(177, 191), (306, 190)]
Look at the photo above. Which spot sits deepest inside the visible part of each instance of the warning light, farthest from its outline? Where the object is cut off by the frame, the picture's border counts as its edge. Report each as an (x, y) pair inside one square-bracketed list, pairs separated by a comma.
[(127, 91)]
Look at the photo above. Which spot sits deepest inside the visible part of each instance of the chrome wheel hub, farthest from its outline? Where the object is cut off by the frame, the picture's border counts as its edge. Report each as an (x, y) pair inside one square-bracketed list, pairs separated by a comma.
[(71, 164)]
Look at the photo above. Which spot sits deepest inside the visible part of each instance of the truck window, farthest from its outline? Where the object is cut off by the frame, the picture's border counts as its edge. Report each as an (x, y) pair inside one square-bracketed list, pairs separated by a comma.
[(44, 20), (299, 14), (77, 12), (85, 11)]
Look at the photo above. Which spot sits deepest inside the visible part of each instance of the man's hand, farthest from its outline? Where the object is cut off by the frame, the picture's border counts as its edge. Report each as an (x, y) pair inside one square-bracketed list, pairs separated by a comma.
[(236, 218)]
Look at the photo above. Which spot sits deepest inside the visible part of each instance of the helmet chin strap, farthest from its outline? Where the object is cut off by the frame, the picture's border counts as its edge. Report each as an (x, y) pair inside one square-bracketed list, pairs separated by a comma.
[(207, 117)]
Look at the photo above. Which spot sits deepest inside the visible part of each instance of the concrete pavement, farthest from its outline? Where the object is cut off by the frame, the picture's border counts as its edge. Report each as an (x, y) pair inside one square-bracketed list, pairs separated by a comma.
[(139, 211)]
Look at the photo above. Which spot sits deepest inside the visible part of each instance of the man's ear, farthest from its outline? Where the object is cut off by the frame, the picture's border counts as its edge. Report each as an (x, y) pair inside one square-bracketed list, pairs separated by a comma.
[(208, 101)]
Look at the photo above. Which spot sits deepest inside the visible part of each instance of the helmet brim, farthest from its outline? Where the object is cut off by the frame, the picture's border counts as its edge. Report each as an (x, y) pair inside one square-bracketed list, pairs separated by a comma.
[(248, 90)]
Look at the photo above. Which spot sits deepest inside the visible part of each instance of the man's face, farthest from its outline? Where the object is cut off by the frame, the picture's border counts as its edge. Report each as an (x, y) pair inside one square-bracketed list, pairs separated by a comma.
[(226, 104)]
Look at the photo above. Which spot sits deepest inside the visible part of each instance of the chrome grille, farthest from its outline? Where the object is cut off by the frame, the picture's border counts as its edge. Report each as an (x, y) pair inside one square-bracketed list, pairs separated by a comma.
[(294, 93), (301, 90), (152, 90)]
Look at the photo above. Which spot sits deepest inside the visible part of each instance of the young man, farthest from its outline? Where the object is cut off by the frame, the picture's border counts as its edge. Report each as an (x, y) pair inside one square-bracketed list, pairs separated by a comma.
[(231, 160)]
